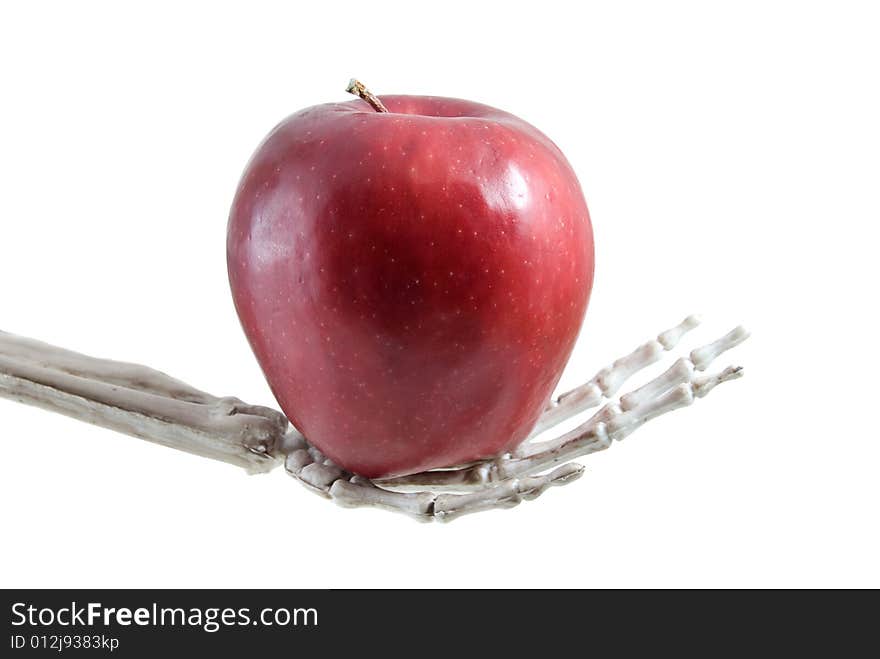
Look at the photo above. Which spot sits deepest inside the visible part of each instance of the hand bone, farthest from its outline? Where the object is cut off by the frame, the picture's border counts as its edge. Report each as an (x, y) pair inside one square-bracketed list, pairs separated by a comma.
[(146, 403)]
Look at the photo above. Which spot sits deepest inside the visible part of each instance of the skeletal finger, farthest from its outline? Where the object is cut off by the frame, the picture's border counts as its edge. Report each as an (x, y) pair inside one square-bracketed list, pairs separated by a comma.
[(609, 380), (506, 494)]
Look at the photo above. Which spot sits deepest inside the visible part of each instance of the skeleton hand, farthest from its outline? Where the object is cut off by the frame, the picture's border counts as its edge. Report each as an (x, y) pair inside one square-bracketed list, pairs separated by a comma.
[(146, 403), (508, 479)]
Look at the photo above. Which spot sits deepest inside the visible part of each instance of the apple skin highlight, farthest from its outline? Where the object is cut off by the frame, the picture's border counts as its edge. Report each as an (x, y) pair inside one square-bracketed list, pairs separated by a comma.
[(412, 282)]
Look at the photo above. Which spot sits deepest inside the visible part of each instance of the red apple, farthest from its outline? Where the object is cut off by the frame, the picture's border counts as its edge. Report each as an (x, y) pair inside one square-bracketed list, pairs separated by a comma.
[(412, 281)]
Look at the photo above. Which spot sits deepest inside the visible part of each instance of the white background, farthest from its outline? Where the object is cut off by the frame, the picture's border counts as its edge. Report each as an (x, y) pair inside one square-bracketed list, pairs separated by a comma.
[(729, 154)]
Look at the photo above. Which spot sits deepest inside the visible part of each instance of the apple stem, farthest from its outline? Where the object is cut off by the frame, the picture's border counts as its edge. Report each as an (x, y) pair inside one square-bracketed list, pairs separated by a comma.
[(358, 88)]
